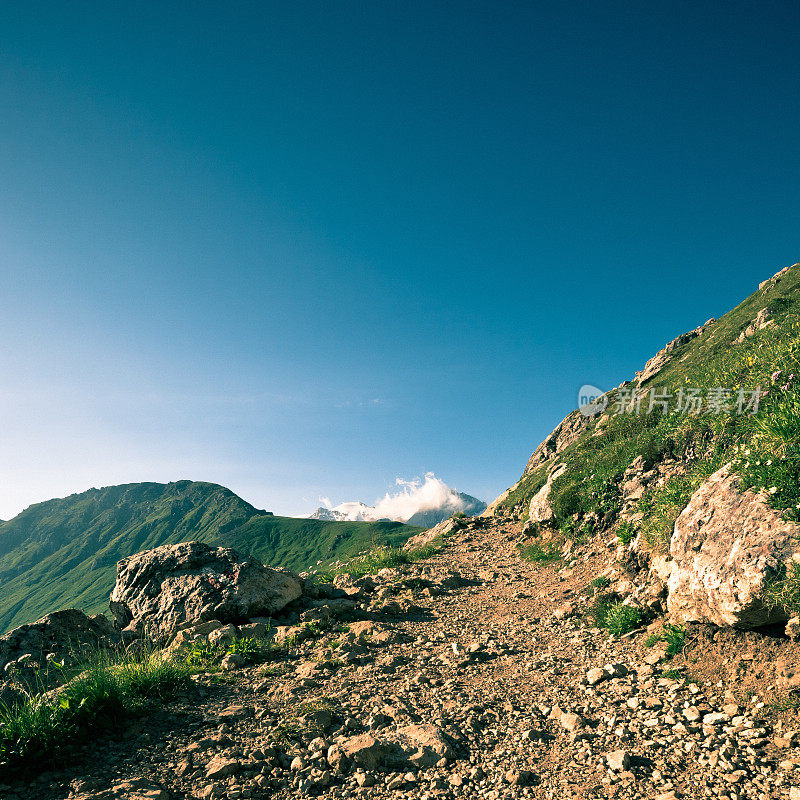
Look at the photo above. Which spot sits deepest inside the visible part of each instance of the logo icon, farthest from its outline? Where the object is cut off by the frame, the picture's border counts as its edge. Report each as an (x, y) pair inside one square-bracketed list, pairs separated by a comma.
[(591, 400)]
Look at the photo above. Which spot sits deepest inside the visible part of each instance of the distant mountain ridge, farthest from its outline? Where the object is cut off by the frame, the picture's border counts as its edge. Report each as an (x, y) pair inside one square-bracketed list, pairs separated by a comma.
[(424, 517), (344, 512), (63, 552)]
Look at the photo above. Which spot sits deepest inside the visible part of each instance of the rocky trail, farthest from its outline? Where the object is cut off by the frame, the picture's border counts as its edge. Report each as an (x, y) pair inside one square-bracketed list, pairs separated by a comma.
[(471, 674)]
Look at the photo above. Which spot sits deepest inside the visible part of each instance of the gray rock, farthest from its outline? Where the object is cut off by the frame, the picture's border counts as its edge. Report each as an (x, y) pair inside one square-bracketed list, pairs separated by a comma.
[(221, 767), (540, 511), (66, 634), (425, 745), (174, 585), (571, 722), (594, 676)]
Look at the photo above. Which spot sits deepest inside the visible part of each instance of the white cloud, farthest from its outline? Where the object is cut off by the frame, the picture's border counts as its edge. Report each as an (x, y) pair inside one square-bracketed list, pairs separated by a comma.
[(429, 494)]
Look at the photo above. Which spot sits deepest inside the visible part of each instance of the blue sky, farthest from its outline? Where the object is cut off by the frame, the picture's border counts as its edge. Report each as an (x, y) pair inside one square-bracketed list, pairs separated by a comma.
[(302, 249)]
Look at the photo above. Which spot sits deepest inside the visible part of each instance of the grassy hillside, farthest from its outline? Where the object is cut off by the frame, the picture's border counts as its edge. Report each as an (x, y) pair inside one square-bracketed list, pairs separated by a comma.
[(764, 446), (63, 553)]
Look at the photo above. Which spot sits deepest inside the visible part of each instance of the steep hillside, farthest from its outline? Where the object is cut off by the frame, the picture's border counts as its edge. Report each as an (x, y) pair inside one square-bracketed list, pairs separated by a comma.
[(63, 552), (688, 412)]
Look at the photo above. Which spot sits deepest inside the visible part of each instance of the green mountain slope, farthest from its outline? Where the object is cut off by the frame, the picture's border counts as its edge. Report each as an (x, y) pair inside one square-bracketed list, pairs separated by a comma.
[(63, 553), (728, 359)]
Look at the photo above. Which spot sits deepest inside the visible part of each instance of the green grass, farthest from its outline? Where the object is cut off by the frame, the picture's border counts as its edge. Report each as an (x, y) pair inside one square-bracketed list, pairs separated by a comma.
[(37, 730), (542, 554), (63, 553), (626, 533), (770, 462), (616, 617), (525, 489), (382, 557), (783, 590), (673, 635), (202, 656), (600, 582)]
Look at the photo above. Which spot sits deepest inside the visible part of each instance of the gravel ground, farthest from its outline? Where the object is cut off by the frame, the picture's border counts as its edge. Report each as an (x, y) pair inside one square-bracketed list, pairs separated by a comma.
[(471, 674)]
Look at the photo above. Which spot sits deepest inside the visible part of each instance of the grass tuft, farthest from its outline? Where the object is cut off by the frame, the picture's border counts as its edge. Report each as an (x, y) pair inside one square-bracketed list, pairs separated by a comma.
[(613, 615), (536, 553), (109, 687), (626, 533), (382, 557), (784, 590), (673, 635)]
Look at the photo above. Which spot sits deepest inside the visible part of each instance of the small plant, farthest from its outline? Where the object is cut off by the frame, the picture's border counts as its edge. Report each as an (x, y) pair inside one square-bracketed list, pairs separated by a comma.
[(626, 533), (616, 617), (600, 582), (249, 649), (539, 554), (314, 627), (274, 670), (671, 674), (621, 619), (673, 635)]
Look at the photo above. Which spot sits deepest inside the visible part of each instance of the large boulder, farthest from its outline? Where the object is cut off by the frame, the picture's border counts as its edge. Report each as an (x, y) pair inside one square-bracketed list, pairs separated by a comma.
[(159, 591), (540, 511), (726, 546), (68, 634)]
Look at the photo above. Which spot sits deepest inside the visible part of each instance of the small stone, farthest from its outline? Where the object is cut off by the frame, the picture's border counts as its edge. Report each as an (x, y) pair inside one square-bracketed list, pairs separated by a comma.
[(232, 661), (223, 635), (618, 760), (395, 782), (594, 676), (365, 779), (220, 767), (521, 777), (571, 722)]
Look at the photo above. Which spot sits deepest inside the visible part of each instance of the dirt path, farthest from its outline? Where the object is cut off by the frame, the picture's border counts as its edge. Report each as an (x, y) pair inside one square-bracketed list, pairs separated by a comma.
[(478, 687)]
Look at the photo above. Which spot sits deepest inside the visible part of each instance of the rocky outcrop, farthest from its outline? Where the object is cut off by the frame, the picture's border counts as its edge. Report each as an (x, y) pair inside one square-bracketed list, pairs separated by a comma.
[(664, 356), (726, 546), (562, 436), (68, 634), (161, 590), (777, 276), (762, 320)]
